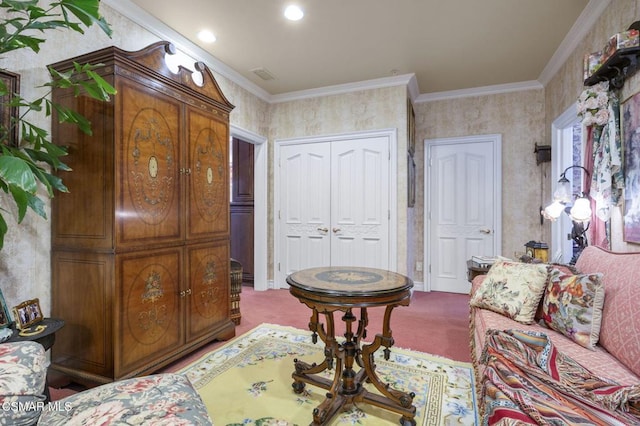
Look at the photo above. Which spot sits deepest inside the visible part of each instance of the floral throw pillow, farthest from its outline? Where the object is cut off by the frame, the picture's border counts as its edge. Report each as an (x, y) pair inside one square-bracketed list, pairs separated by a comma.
[(512, 289), (567, 269), (573, 306)]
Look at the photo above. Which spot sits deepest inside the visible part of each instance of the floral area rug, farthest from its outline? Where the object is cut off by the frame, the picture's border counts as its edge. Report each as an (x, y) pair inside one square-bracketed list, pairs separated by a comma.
[(248, 382)]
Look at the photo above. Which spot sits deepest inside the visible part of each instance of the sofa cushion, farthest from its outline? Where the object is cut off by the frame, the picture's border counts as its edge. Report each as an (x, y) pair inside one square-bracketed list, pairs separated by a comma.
[(23, 373), (512, 289), (619, 331), (161, 399), (573, 306)]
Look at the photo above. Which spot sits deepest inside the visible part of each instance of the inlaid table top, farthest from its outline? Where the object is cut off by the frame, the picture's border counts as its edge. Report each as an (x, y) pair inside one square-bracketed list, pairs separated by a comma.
[(348, 281)]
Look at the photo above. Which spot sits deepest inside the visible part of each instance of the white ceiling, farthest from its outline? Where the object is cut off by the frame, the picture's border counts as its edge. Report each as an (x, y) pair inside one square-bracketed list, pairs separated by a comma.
[(450, 45)]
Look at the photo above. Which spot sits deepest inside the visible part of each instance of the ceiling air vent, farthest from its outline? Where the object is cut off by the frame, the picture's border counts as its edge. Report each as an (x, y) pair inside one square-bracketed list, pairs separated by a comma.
[(263, 73)]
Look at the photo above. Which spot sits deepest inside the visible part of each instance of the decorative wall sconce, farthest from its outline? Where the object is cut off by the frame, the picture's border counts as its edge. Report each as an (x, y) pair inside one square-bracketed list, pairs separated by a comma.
[(579, 212), (543, 153)]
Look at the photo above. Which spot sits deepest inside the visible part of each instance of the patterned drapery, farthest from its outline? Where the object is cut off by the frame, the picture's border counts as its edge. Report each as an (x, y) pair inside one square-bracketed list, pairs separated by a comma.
[(603, 160)]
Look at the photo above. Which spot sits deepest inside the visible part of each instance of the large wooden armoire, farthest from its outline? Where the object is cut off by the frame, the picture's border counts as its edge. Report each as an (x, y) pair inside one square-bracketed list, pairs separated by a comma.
[(140, 244)]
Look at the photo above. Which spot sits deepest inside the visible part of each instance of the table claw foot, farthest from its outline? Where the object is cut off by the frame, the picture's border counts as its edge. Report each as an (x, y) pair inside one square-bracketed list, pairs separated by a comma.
[(401, 398), (298, 387), (324, 412), (303, 368), (406, 400), (319, 416), (407, 421)]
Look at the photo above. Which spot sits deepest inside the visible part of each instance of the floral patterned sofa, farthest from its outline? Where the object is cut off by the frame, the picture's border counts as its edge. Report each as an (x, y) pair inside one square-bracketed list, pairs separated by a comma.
[(23, 373), (556, 344), (162, 399)]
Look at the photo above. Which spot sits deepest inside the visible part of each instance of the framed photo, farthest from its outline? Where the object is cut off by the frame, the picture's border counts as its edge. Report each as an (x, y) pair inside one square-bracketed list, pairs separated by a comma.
[(5, 318), (27, 313), (412, 181), (631, 146), (411, 128), (11, 82)]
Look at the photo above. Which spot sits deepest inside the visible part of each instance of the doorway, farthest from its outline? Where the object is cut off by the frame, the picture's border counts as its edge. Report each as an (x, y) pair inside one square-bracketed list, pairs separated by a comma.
[(242, 207), (566, 150), (260, 216), (462, 207), (334, 200)]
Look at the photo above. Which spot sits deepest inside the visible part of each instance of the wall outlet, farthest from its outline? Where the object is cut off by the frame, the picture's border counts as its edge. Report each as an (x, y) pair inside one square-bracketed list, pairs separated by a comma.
[(419, 266)]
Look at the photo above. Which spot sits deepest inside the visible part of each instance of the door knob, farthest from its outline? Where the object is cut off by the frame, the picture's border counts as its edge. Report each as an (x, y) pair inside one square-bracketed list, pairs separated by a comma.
[(336, 230), (485, 231), (323, 229)]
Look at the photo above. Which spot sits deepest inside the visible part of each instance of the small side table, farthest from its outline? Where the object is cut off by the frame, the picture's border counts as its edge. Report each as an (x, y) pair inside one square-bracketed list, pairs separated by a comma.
[(473, 270), (329, 290), (46, 338)]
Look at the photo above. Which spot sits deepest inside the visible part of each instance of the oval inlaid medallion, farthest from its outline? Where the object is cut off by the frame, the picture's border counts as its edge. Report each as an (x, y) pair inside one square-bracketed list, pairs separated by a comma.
[(150, 310), (209, 177), (151, 166)]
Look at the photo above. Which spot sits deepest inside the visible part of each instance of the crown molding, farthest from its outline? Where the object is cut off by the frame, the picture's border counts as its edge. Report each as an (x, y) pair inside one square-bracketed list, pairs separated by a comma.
[(414, 90), (377, 83), (480, 91), (576, 34), (136, 14)]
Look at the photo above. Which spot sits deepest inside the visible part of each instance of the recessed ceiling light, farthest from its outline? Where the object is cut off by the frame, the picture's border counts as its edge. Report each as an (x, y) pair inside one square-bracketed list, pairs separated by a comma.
[(293, 13), (206, 36)]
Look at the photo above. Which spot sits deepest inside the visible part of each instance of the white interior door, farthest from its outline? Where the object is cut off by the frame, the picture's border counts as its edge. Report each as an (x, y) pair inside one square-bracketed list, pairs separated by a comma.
[(461, 209), (305, 206), (333, 205), (360, 203)]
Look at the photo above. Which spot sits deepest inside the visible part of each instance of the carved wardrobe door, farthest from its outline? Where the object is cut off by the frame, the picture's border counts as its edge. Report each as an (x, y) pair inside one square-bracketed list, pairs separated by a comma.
[(148, 281), (147, 167), (208, 218)]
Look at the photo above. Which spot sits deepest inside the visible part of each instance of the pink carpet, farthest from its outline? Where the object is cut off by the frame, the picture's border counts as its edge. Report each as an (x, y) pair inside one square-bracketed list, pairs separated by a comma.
[(436, 323)]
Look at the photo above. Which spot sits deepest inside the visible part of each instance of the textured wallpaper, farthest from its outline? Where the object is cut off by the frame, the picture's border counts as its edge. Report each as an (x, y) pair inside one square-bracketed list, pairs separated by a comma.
[(522, 118)]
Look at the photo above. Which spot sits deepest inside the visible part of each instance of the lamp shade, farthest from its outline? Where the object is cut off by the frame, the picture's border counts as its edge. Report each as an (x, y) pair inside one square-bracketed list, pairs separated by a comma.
[(553, 210), (581, 210), (563, 191)]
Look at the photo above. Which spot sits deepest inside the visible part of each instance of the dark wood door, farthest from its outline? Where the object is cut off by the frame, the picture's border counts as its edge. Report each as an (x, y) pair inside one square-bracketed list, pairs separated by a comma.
[(242, 205)]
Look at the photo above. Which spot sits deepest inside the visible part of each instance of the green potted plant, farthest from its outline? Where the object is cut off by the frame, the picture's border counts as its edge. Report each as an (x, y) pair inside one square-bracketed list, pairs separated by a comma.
[(30, 162)]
